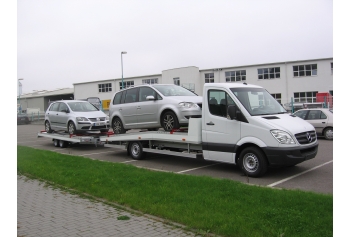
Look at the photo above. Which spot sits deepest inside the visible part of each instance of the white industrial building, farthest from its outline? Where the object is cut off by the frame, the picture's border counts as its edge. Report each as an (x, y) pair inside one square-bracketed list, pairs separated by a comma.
[(300, 80), (297, 80)]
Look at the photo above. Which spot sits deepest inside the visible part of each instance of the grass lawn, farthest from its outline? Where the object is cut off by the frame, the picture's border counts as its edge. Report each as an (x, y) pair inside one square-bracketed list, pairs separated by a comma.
[(218, 206)]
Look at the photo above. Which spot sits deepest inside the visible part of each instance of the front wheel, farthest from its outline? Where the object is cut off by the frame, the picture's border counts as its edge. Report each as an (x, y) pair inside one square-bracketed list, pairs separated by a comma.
[(328, 133), (136, 150), (71, 128), (48, 127), (170, 121), (252, 161)]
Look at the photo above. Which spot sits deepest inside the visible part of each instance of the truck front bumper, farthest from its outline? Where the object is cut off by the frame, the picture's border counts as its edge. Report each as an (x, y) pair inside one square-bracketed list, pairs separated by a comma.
[(290, 156)]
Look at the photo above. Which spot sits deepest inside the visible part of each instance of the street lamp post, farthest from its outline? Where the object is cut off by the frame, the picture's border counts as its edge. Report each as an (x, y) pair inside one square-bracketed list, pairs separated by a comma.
[(123, 52), (19, 94)]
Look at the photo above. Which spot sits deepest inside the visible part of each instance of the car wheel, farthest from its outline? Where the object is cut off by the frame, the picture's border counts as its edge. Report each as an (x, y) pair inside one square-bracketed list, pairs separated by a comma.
[(71, 128), (48, 127), (63, 144), (117, 126), (170, 121), (252, 162), (56, 143), (328, 133), (136, 150)]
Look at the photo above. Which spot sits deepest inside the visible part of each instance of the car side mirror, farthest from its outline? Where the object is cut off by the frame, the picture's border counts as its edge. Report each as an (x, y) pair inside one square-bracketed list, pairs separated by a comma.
[(150, 97), (233, 112), (65, 110)]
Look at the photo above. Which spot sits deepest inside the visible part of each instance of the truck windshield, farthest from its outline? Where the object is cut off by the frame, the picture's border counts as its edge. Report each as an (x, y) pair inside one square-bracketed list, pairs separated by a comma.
[(257, 101)]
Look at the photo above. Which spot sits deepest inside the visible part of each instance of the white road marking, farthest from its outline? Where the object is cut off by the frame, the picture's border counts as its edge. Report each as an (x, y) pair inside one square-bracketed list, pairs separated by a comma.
[(128, 161), (96, 153), (294, 176), (196, 168)]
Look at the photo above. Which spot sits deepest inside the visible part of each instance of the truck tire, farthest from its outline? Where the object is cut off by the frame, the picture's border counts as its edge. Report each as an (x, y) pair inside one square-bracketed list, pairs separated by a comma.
[(135, 150), (71, 128), (170, 121), (328, 133), (48, 127), (63, 144), (117, 126), (253, 162)]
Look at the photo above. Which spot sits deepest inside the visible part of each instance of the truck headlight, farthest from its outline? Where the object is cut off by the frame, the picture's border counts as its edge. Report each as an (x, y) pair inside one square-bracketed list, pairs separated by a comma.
[(82, 119), (282, 137), (188, 105)]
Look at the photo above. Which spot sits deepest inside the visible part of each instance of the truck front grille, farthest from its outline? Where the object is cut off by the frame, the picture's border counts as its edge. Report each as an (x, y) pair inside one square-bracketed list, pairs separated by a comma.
[(306, 137)]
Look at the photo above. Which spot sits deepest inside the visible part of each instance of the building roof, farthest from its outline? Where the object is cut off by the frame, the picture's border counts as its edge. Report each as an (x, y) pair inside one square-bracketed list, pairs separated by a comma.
[(43, 93)]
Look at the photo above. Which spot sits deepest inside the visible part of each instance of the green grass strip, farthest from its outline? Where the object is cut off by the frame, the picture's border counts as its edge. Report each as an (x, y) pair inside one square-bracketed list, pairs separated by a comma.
[(219, 206)]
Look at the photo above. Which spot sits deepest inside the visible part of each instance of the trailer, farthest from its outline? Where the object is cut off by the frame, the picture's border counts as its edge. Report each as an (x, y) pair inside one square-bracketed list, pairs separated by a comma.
[(63, 139)]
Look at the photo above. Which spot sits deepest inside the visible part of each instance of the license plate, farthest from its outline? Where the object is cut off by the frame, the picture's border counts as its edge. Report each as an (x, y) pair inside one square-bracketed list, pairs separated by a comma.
[(97, 124)]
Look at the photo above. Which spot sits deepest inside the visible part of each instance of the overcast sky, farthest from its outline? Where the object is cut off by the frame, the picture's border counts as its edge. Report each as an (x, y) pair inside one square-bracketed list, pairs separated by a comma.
[(61, 42)]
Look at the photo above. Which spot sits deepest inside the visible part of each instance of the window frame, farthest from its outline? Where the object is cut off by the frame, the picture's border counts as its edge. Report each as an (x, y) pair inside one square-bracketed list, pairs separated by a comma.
[(104, 87), (306, 70), (269, 73)]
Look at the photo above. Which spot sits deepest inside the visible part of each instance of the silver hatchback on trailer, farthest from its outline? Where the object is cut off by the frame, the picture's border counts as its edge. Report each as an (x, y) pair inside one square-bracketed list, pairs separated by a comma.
[(75, 116)]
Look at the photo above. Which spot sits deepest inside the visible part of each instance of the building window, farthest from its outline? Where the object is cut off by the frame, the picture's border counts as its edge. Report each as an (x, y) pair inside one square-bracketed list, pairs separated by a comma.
[(107, 87), (233, 76), (278, 97), (269, 73), (127, 84), (332, 68), (150, 81), (305, 70), (209, 78), (177, 81), (305, 97)]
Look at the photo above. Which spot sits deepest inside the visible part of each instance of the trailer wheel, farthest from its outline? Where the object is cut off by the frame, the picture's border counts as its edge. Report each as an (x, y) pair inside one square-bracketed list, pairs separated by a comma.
[(252, 161), (56, 143), (136, 150), (63, 144), (48, 127), (117, 126), (170, 121), (71, 128)]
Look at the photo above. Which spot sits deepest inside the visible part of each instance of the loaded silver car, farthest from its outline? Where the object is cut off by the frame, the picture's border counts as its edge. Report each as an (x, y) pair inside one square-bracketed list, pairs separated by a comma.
[(75, 116), (152, 107)]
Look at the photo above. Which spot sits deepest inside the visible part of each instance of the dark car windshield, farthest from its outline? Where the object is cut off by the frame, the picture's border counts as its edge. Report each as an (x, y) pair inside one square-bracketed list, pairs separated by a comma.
[(173, 90), (82, 106), (258, 101)]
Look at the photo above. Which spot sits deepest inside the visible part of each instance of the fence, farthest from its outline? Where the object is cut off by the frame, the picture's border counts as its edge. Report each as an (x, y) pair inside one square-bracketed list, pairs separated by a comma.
[(36, 117)]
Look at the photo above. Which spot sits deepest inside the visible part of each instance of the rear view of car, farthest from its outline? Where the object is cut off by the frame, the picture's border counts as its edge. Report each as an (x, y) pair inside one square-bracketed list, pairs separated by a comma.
[(320, 118), (155, 106), (74, 116), (22, 119)]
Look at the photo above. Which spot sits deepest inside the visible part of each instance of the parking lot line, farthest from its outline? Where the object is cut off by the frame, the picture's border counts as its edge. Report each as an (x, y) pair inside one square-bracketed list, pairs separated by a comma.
[(294, 176), (96, 153), (184, 171), (128, 161)]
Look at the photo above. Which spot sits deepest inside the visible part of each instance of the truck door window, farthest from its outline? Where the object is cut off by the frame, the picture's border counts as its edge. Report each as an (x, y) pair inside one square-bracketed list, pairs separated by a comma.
[(218, 102)]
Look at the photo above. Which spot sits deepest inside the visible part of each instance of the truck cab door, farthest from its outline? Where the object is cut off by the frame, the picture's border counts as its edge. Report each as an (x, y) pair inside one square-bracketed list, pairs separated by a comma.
[(220, 134)]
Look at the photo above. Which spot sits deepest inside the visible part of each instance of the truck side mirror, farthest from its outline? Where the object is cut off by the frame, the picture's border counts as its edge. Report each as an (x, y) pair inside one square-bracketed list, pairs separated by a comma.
[(233, 112)]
